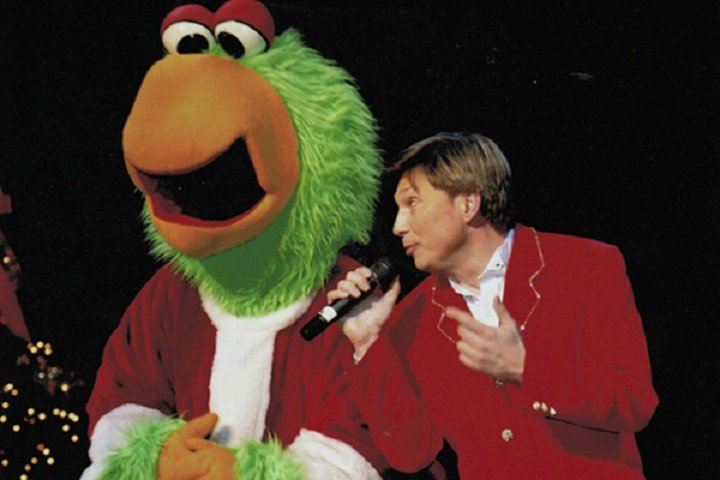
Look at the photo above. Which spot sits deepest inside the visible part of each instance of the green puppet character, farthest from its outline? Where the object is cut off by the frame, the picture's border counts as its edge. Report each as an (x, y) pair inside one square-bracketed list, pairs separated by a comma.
[(257, 160)]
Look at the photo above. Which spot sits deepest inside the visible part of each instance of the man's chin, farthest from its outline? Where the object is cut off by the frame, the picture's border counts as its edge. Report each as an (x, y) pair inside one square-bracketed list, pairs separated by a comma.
[(421, 264)]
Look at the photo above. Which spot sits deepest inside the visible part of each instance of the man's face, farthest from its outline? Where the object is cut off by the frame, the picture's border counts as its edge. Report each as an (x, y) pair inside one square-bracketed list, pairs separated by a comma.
[(430, 222)]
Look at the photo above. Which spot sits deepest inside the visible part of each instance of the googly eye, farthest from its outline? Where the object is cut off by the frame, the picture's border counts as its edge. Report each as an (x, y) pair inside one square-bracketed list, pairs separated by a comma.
[(239, 39), (187, 37)]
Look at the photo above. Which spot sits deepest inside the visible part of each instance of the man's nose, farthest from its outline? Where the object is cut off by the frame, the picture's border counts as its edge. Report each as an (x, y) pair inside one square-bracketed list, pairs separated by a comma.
[(400, 225)]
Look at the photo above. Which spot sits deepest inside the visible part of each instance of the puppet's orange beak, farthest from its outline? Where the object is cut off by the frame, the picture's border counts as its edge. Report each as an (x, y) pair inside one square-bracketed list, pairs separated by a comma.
[(211, 145)]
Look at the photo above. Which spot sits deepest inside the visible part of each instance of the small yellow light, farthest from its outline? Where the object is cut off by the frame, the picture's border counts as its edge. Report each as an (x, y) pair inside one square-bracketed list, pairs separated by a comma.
[(65, 428), (14, 393), (5, 462), (64, 387), (42, 415), (33, 350), (5, 405), (63, 414), (27, 467), (23, 477), (46, 451), (16, 428), (50, 461), (40, 344), (74, 439), (9, 387), (31, 411), (34, 460), (7, 260), (3, 418), (56, 411)]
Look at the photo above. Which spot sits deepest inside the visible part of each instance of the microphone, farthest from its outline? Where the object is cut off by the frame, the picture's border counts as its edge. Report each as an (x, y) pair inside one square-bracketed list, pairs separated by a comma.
[(383, 272)]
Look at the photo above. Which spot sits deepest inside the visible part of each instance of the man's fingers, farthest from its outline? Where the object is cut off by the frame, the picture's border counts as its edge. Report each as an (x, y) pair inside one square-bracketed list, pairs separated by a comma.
[(360, 277), (473, 336), (468, 362), (467, 324), (467, 350), (394, 291), (349, 288), (353, 285), (336, 294), (463, 318)]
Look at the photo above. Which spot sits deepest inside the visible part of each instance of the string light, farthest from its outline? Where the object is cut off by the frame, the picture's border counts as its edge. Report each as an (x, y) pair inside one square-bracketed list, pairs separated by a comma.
[(42, 428), (38, 403)]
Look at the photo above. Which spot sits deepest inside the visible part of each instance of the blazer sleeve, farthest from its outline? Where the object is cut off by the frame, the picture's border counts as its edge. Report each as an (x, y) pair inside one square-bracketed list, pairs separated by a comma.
[(389, 400), (593, 369)]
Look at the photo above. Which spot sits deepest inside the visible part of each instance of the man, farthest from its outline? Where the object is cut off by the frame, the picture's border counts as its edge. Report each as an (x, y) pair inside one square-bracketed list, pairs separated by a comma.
[(526, 346)]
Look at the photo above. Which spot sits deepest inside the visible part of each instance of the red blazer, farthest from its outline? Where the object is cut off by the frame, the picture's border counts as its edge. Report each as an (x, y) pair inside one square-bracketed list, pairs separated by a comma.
[(586, 385)]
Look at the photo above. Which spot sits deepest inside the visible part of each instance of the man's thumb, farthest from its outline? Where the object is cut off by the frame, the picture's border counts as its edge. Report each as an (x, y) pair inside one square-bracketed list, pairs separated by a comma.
[(502, 312)]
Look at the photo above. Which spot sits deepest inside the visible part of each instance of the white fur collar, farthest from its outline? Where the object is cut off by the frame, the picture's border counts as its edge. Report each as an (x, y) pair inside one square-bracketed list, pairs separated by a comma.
[(242, 367)]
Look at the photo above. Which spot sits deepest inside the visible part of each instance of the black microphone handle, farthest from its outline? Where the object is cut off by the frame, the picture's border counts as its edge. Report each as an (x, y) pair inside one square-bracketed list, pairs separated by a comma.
[(383, 271), (337, 309)]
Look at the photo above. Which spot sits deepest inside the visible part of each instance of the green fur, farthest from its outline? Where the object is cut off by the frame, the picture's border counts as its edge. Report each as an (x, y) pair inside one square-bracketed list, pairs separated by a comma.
[(266, 461), (137, 460), (334, 200)]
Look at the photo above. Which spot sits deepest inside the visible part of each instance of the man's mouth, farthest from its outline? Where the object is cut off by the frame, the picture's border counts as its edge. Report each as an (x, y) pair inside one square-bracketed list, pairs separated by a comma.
[(410, 249), (221, 191)]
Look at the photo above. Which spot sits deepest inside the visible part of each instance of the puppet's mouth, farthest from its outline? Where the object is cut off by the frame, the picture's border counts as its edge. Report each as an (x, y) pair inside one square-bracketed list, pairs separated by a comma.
[(221, 191)]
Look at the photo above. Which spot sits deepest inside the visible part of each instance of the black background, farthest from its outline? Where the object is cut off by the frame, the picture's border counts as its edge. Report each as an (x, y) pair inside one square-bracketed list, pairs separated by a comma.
[(607, 114)]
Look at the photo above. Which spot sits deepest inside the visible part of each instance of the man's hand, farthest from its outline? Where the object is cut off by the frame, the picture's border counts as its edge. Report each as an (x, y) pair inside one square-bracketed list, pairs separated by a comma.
[(187, 455), (498, 352), (362, 326)]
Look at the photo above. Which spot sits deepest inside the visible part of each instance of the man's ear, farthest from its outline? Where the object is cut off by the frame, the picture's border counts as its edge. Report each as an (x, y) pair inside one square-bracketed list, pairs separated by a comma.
[(471, 206)]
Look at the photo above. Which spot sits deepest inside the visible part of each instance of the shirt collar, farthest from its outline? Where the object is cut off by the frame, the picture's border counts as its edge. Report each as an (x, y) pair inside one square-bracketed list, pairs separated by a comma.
[(496, 266)]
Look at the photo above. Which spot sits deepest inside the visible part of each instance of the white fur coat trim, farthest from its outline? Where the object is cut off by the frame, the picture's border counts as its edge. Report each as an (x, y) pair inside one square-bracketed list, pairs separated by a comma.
[(325, 457), (242, 367), (110, 434)]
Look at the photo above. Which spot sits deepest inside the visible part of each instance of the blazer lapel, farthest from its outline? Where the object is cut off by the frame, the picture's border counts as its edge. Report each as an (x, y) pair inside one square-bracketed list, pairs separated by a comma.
[(527, 263), (442, 295)]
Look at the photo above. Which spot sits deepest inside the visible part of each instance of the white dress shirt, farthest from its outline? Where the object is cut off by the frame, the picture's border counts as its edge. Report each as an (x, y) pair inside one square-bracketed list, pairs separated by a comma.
[(492, 284)]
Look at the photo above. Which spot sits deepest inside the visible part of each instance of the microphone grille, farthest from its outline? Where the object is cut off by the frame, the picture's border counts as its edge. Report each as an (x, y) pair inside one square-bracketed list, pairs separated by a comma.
[(383, 268)]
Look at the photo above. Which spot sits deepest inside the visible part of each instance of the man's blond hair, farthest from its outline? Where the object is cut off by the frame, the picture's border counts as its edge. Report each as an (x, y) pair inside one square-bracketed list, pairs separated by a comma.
[(463, 163)]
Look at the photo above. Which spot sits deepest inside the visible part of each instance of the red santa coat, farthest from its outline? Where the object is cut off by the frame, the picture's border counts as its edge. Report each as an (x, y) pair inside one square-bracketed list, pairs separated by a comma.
[(587, 381), (167, 357)]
